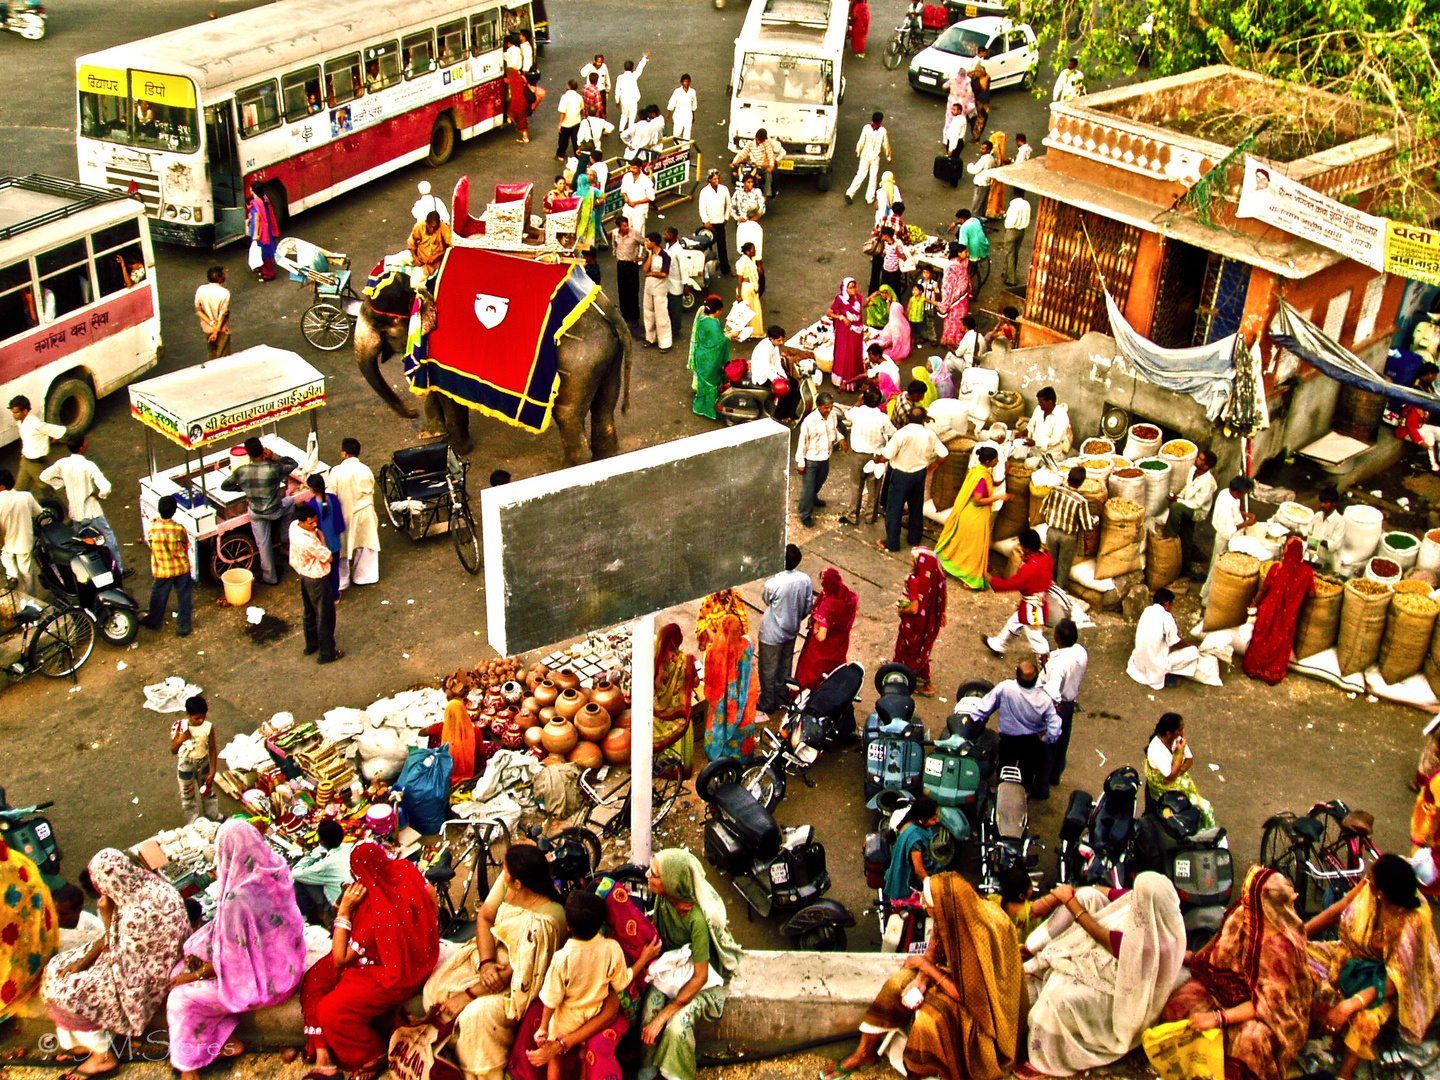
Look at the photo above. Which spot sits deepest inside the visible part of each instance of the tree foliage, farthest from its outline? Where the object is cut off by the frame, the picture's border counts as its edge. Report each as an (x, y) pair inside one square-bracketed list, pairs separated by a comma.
[(1382, 57)]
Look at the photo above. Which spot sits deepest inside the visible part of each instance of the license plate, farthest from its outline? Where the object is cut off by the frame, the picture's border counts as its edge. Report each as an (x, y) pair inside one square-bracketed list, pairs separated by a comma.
[(929, 80), (1182, 868), (101, 580), (971, 11), (786, 165)]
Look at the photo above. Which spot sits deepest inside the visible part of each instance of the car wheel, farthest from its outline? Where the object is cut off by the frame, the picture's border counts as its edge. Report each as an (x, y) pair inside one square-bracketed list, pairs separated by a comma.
[(1028, 79)]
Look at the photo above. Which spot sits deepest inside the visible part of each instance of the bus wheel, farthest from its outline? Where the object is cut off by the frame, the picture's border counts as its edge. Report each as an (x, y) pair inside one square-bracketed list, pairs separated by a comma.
[(72, 403), (279, 202), (442, 140)]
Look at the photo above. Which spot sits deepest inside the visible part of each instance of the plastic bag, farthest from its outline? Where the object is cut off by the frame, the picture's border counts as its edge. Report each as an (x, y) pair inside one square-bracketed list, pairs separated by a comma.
[(424, 787), (255, 259), (170, 695), (383, 753), (674, 968), (1178, 1053)]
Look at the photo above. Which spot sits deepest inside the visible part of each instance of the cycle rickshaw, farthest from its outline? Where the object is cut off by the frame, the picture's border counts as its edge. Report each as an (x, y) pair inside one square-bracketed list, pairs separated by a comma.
[(328, 323)]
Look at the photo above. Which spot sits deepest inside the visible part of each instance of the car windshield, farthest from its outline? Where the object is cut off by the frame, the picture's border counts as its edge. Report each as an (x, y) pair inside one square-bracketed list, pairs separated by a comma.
[(961, 41)]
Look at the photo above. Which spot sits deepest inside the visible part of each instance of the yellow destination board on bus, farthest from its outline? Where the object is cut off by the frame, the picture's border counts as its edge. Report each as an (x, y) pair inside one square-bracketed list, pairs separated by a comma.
[(100, 80), (162, 89)]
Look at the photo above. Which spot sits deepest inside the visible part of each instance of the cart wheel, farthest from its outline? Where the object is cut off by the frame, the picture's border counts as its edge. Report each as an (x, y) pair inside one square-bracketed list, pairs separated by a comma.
[(233, 551), (392, 490), (326, 327), (467, 545), (63, 641)]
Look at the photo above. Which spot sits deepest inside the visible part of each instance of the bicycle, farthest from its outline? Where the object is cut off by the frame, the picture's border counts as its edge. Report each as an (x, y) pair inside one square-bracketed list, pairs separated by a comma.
[(55, 641), (907, 40), (608, 792), (481, 845), (1323, 853)]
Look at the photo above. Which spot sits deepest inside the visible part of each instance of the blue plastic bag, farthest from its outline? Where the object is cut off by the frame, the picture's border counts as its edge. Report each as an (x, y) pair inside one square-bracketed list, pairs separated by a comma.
[(424, 787)]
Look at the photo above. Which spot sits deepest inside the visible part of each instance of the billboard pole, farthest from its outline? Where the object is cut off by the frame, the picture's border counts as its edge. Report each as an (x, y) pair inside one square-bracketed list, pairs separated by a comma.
[(642, 735)]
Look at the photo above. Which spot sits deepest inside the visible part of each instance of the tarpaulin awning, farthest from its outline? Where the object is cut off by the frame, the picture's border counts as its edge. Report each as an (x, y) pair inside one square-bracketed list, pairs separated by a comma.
[(495, 346), (1291, 330), (1205, 372)]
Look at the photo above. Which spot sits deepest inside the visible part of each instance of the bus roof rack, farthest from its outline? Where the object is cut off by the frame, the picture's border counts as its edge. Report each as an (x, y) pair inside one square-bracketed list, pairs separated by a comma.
[(74, 197), (813, 12)]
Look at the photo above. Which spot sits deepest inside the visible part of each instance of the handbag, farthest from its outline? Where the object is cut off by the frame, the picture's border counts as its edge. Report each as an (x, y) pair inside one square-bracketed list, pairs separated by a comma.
[(530, 96), (417, 1052), (873, 246)]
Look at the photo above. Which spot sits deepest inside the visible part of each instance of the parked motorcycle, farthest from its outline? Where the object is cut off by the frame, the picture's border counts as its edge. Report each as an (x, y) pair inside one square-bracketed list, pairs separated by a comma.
[(24, 829), (1102, 851), (77, 567), (776, 871), (698, 265), (739, 402), (825, 715), (24, 18)]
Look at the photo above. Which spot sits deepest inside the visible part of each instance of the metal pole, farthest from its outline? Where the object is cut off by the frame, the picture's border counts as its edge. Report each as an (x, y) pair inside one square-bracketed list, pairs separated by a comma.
[(642, 735)]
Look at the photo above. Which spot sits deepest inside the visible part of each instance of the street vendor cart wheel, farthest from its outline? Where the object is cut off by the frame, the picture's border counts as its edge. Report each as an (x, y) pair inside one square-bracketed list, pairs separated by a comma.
[(234, 550), (63, 641), (392, 490), (467, 545), (326, 327)]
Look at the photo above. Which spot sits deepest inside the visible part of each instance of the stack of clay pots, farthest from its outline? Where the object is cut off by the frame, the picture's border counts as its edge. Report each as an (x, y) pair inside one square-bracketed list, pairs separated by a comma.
[(589, 727)]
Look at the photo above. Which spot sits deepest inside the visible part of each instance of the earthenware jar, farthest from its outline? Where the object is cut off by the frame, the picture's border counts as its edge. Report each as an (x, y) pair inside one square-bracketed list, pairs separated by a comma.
[(569, 703), (609, 697), (565, 679), (546, 692), (616, 746), (592, 722), (559, 736)]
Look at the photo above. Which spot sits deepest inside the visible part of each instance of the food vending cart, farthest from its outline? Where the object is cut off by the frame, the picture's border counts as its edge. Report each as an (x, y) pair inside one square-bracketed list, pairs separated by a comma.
[(218, 404)]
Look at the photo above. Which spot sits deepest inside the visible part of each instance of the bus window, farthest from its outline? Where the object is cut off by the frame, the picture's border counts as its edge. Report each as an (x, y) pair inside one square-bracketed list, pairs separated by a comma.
[(259, 108), (382, 66), (64, 279), (164, 112), (343, 81), (484, 33), (117, 249), (452, 43), (104, 115), (300, 91), (17, 302), (418, 52)]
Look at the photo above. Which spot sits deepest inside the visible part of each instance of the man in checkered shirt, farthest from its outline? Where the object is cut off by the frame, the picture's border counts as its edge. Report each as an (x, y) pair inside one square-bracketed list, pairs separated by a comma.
[(170, 567), (1067, 518)]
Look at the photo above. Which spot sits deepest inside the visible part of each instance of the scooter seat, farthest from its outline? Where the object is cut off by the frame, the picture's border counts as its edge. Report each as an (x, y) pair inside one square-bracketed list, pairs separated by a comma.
[(756, 828), (1010, 811)]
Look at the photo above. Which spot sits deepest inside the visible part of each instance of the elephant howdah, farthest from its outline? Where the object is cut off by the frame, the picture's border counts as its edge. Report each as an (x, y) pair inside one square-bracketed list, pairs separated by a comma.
[(591, 358)]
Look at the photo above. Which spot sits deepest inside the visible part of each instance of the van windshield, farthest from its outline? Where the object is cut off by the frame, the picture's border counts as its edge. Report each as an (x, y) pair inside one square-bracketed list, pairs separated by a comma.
[(798, 80), (960, 41)]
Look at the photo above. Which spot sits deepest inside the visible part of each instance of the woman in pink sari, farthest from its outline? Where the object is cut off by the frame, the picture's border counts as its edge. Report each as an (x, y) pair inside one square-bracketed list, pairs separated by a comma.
[(828, 643), (955, 294), (250, 956), (847, 318), (1277, 609), (894, 339), (922, 614)]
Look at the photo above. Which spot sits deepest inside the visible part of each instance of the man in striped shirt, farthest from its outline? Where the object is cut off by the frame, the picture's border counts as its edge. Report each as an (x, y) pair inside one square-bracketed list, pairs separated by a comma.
[(763, 154), (874, 140), (1067, 518)]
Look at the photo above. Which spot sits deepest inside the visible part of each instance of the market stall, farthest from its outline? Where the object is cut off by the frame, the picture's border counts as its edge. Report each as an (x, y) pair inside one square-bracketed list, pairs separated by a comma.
[(222, 402)]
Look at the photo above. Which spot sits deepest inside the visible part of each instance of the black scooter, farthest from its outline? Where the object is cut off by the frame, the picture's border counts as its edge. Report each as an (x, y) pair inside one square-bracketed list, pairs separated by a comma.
[(775, 870), (1097, 842), (77, 567), (1197, 860)]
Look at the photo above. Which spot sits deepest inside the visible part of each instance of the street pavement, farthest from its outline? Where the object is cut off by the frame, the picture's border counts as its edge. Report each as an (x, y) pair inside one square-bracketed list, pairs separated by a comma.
[(104, 759)]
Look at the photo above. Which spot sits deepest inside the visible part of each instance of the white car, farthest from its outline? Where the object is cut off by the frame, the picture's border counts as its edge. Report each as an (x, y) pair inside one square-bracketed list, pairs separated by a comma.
[(1014, 57)]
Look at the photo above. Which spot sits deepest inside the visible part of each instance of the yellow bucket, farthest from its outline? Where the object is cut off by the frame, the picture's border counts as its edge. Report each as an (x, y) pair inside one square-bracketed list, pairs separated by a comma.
[(237, 586)]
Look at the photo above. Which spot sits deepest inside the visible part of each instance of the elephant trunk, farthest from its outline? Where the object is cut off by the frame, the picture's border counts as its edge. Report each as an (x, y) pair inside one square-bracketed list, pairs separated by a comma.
[(370, 348), (370, 368)]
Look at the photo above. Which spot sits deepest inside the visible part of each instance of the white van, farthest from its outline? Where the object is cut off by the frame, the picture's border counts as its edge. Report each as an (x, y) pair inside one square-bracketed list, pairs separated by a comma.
[(787, 79)]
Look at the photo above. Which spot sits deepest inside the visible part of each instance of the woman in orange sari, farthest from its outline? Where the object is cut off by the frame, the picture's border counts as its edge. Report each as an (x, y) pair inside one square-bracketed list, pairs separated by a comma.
[(713, 610), (964, 545), (457, 732), (732, 687)]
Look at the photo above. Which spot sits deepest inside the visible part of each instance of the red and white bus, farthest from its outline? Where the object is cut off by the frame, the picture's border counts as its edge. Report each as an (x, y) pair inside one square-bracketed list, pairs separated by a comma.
[(79, 314), (310, 97)]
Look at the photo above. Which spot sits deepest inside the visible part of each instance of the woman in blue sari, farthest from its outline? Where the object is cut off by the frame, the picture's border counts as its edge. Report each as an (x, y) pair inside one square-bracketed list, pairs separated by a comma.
[(910, 859), (732, 687)]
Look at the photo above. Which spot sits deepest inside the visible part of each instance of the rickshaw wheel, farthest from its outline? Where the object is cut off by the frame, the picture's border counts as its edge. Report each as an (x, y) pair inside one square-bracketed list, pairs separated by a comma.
[(326, 327), (233, 551), (467, 545), (392, 490)]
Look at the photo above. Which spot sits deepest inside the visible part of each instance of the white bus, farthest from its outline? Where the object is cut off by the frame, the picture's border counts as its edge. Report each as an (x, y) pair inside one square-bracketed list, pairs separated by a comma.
[(79, 314), (787, 79), (310, 97)]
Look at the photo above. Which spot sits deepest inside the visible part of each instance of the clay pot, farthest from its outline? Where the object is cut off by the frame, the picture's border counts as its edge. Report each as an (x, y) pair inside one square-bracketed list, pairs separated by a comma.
[(592, 722), (609, 697), (587, 755), (559, 736), (512, 692), (511, 736), (565, 679), (531, 703), (546, 692), (621, 721), (569, 703), (615, 747), (553, 759), (547, 714), (532, 737), (527, 718)]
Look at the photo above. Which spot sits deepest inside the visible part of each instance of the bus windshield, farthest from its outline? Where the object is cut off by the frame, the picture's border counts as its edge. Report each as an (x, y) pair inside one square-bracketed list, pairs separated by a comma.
[(139, 108), (799, 80)]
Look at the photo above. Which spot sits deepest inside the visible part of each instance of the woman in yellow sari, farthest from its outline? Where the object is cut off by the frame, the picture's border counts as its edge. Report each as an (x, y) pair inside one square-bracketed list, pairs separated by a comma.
[(748, 271), (964, 545), (711, 616), (1386, 963)]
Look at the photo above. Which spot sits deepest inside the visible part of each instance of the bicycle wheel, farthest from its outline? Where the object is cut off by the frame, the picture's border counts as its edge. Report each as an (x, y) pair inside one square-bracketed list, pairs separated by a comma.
[(982, 272), (894, 51), (485, 863), (392, 491), (665, 786), (325, 326), (63, 641), (462, 533), (1281, 850)]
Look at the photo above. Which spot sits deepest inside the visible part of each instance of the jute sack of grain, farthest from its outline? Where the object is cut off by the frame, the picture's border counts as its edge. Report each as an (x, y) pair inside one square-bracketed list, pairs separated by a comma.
[(1432, 665), (1122, 539), (1162, 559), (1237, 579), (1409, 626), (1094, 492), (949, 476), (1042, 482), (1362, 624), (1318, 623), (1014, 515)]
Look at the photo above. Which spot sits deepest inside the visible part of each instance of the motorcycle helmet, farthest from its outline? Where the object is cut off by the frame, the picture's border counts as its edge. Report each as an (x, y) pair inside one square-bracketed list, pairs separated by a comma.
[(781, 387)]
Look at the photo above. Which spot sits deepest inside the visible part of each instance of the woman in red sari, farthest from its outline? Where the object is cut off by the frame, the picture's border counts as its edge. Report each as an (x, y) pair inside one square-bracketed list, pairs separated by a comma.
[(859, 27), (1277, 606), (922, 614), (384, 945), (847, 318), (515, 80), (827, 645)]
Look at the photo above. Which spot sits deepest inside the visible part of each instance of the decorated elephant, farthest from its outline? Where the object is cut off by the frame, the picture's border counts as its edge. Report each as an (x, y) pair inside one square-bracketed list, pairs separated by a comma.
[(594, 365)]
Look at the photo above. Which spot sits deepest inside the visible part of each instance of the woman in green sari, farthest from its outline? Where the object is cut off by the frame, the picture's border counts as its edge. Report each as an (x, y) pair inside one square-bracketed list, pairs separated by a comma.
[(709, 353), (1168, 759), (877, 308), (688, 911)]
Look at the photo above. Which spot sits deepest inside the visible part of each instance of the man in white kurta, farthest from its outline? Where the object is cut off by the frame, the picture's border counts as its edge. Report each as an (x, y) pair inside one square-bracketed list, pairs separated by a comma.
[(1155, 655), (354, 485), (682, 105), (1049, 427)]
